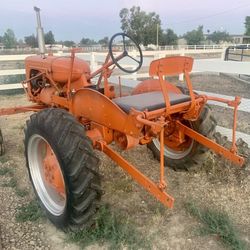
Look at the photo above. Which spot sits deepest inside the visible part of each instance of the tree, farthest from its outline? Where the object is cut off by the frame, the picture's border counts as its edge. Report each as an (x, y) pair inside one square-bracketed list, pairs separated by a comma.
[(20, 43), (31, 41), (195, 36), (140, 25), (49, 38), (104, 41), (219, 36), (9, 39), (87, 41), (247, 26), (68, 43), (169, 38), (1, 39)]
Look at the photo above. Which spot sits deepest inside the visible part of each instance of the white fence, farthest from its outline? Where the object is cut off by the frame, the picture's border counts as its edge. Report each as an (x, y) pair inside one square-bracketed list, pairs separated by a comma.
[(97, 58), (100, 48)]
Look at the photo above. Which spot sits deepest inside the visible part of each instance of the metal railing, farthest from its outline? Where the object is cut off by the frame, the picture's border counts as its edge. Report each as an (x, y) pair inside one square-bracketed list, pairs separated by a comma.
[(238, 53)]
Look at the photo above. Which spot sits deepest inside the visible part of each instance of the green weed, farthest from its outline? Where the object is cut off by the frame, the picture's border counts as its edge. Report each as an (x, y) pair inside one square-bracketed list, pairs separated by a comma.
[(29, 212), (217, 223), (6, 170), (113, 230)]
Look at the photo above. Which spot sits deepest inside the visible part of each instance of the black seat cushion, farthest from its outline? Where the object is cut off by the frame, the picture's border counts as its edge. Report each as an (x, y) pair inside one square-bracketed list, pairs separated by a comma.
[(150, 101)]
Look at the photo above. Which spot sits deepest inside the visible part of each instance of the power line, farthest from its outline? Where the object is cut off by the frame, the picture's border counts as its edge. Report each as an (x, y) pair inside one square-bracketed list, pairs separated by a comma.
[(213, 15)]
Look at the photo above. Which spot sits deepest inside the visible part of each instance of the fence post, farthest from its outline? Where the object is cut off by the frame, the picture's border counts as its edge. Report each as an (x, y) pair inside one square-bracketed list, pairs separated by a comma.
[(93, 63), (181, 76), (223, 54)]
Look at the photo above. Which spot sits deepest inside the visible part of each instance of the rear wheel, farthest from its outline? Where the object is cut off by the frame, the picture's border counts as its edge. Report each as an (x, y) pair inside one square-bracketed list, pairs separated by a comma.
[(193, 152), (63, 168)]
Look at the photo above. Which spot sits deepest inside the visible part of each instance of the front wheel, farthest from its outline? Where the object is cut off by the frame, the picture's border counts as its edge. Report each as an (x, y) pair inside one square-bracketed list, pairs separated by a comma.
[(62, 167), (193, 152)]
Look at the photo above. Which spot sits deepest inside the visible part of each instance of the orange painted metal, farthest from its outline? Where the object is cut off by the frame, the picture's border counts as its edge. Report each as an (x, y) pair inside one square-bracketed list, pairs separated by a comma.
[(46, 95), (174, 65), (101, 110), (98, 132), (211, 144), (23, 109), (154, 85), (52, 171), (235, 104), (105, 66), (125, 141), (70, 74), (144, 181), (162, 183), (58, 67)]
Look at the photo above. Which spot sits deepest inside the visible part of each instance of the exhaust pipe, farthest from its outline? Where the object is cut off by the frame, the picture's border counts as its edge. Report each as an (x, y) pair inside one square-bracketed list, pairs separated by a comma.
[(40, 33)]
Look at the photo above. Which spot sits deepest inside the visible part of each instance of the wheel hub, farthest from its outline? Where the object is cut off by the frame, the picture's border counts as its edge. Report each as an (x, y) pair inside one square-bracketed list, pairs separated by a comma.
[(52, 172)]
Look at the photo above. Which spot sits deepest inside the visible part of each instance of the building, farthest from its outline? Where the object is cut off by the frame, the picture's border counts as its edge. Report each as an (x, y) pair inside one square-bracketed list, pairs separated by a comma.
[(240, 39)]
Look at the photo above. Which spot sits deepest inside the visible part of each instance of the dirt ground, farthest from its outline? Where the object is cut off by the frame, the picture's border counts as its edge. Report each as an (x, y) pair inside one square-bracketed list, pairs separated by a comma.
[(214, 184)]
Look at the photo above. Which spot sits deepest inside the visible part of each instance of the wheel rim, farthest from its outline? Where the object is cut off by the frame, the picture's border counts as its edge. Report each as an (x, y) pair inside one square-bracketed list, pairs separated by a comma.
[(46, 175), (171, 153)]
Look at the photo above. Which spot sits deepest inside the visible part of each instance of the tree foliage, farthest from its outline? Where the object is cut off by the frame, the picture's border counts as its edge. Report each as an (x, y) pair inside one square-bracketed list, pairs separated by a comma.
[(195, 36), (169, 38), (68, 43), (87, 41), (49, 38), (31, 41), (104, 41), (220, 36), (9, 39), (247, 25), (140, 25)]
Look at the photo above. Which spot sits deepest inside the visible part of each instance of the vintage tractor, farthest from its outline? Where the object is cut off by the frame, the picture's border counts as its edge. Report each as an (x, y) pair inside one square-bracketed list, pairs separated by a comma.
[(73, 116)]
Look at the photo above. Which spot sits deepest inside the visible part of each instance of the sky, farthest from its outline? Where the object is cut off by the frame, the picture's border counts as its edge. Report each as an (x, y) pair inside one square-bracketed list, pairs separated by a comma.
[(74, 19)]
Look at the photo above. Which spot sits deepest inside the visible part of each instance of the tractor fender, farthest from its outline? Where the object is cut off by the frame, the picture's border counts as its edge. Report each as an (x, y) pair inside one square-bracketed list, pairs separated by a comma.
[(98, 108)]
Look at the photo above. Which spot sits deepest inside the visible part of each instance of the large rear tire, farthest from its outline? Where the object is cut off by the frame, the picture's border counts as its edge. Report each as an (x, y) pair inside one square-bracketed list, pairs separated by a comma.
[(195, 153), (55, 138)]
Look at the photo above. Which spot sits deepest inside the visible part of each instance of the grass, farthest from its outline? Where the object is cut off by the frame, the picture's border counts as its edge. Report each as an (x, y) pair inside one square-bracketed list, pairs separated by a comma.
[(6, 170), (112, 230), (29, 212), (219, 224), (124, 184), (3, 159), (12, 183), (21, 192)]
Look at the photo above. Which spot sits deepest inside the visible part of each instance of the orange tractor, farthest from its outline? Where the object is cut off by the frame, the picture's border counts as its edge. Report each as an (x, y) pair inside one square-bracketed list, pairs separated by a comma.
[(73, 115)]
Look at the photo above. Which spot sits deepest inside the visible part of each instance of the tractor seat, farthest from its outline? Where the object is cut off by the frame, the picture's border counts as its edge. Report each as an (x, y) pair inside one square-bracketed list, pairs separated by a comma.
[(150, 101)]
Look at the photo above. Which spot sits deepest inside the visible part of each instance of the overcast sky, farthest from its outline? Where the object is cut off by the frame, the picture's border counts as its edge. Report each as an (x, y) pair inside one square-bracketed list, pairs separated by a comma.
[(74, 19)]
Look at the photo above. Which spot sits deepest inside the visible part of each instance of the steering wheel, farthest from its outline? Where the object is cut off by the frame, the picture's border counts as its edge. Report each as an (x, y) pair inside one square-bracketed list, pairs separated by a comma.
[(125, 53)]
